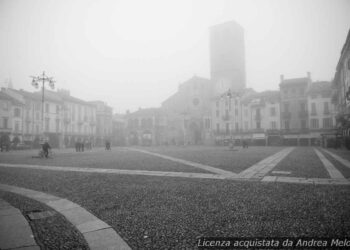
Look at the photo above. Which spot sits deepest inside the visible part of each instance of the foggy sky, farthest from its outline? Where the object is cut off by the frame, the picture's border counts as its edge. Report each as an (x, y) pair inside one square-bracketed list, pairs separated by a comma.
[(134, 54)]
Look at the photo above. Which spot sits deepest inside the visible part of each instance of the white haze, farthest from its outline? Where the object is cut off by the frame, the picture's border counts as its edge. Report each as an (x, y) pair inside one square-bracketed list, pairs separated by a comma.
[(134, 54)]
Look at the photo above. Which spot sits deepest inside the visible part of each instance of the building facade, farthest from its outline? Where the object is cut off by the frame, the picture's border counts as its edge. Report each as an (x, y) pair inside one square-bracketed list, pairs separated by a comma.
[(62, 119), (341, 94), (147, 127)]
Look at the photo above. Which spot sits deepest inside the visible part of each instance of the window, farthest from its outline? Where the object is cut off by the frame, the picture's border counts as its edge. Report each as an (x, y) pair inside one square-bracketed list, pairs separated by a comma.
[(236, 126), (303, 107), (218, 127), (246, 125), (227, 128), (17, 112), (258, 125), (245, 112), (217, 113), (293, 92), (57, 109), (6, 106), (314, 123), (236, 112), (5, 121), (273, 111), (47, 124), (37, 116), (57, 125), (207, 123), (313, 108), (286, 124), (286, 107), (27, 128), (327, 123), (37, 106), (37, 129), (303, 124), (47, 108), (229, 104), (273, 125), (16, 126), (326, 108)]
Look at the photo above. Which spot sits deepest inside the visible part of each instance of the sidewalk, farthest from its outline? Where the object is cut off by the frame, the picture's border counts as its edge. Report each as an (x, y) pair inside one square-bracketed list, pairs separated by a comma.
[(15, 232)]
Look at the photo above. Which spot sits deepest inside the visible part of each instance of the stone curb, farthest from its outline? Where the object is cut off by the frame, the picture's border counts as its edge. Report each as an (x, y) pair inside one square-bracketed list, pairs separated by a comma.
[(97, 233)]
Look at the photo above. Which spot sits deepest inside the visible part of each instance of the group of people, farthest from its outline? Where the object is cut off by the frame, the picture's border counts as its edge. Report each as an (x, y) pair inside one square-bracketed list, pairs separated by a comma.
[(81, 145)]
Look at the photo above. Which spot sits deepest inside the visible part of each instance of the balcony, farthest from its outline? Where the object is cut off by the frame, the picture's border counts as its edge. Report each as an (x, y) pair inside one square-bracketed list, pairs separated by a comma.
[(303, 114), (286, 115)]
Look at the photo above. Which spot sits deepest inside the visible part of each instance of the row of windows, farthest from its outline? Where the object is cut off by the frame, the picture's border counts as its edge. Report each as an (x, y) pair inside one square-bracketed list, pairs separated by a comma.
[(257, 112), (313, 107), (273, 125), (314, 123)]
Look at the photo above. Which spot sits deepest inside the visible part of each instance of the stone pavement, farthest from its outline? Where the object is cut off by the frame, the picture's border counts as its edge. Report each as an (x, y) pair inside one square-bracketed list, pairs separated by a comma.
[(338, 158), (15, 232), (97, 233), (261, 168), (257, 172), (189, 163), (333, 172)]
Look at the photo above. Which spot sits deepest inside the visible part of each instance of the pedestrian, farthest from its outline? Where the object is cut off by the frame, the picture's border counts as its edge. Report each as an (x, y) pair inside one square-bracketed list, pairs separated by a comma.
[(82, 146), (46, 146), (76, 146)]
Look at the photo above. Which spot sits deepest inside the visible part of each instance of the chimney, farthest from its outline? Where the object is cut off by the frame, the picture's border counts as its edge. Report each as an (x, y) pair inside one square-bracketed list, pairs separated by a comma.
[(282, 78)]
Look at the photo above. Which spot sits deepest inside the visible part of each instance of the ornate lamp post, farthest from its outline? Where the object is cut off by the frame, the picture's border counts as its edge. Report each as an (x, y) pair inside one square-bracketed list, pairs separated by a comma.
[(36, 80)]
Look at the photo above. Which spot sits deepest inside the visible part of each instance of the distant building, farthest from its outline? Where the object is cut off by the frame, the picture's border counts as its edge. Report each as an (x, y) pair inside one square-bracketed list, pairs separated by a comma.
[(65, 120), (227, 57), (104, 120), (246, 115), (11, 119), (294, 107), (146, 127), (188, 109), (321, 112), (119, 126), (341, 95)]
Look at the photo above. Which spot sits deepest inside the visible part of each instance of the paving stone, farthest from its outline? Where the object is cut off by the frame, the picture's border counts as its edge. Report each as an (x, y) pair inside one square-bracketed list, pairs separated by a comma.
[(105, 239), (62, 204)]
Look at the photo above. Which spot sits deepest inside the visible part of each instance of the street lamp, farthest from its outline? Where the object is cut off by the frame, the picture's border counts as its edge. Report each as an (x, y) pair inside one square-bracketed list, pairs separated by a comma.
[(36, 80)]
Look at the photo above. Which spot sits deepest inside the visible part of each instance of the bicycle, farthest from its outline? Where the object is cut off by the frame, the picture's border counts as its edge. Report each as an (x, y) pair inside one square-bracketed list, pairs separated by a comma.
[(41, 154)]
